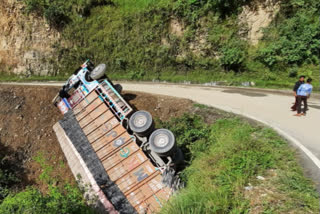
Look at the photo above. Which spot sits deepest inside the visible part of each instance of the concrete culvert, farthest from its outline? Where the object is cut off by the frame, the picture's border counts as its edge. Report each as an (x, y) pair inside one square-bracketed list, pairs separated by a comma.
[(162, 142), (141, 123)]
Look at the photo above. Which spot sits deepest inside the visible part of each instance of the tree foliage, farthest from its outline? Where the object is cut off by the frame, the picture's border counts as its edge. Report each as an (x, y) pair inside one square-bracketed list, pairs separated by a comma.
[(296, 39), (59, 13)]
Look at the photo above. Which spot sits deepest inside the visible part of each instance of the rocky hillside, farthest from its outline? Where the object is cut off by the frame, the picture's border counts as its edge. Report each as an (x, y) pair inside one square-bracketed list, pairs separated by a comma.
[(261, 37), (26, 41)]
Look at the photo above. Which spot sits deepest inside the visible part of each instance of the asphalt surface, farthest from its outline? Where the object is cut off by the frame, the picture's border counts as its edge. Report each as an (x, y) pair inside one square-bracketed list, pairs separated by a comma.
[(270, 107)]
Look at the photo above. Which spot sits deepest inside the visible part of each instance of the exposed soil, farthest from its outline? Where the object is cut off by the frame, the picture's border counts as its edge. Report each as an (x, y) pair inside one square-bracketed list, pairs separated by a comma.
[(26, 120), (161, 107), (27, 117)]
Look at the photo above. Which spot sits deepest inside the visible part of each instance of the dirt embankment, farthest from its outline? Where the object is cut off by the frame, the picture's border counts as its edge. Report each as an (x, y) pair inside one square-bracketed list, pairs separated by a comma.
[(27, 117), (26, 120)]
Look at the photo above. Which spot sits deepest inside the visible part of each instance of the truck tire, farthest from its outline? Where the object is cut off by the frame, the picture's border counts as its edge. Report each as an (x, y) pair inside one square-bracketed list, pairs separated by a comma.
[(162, 142), (141, 123), (98, 72)]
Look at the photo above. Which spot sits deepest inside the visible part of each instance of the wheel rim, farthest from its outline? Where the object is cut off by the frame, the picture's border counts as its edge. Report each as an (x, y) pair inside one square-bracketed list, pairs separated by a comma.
[(140, 121), (161, 140), (96, 69)]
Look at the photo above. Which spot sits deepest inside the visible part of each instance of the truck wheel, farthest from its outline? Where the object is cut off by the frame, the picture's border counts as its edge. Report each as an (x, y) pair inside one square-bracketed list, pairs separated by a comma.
[(98, 72), (141, 123), (118, 87), (162, 142)]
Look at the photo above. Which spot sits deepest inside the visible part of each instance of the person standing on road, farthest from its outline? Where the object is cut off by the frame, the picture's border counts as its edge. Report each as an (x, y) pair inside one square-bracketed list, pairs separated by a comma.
[(295, 89), (303, 94)]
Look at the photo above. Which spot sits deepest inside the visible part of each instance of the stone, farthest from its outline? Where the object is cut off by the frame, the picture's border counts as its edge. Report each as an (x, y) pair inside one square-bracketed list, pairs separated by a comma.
[(248, 188)]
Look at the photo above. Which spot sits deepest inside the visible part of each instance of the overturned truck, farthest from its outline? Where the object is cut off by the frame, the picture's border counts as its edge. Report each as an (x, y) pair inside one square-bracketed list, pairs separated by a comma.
[(129, 166)]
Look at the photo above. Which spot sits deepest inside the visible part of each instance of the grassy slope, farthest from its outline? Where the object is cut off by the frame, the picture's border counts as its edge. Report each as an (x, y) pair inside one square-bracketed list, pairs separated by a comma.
[(225, 157), (128, 36)]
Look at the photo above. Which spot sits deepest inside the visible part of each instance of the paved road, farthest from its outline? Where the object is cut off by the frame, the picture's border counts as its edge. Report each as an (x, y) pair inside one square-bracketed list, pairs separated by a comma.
[(264, 106)]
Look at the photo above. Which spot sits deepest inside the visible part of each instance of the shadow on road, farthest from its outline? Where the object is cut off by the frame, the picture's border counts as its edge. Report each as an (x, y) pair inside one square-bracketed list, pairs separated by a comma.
[(314, 106), (245, 93)]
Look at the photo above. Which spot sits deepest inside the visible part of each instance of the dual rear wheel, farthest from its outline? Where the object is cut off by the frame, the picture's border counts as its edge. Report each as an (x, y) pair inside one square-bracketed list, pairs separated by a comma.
[(162, 141)]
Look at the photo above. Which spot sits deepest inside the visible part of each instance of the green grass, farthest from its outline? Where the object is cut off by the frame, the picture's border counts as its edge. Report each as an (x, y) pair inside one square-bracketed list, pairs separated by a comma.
[(226, 156), (274, 81), (55, 196), (5, 77), (138, 5)]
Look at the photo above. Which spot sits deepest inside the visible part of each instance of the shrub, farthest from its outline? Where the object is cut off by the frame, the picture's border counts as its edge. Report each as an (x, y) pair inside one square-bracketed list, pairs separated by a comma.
[(297, 37), (59, 13), (9, 171), (56, 15), (233, 55), (66, 201)]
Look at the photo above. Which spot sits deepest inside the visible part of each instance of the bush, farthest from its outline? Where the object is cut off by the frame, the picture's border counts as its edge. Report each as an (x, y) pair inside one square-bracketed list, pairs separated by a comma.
[(59, 13), (31, 201), (233, 55), (56, 15), (293, 72), (7, 181), (9, 171), (297, 37), (191, 133), (64, 199)]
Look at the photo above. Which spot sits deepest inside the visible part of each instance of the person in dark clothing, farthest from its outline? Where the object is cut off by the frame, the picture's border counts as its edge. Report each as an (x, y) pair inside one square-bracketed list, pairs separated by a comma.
[(303, 94), (295, 89)]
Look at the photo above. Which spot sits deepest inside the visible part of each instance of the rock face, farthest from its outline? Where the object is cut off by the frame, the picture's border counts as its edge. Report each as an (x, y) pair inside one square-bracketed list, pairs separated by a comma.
[(26, 41), (254, 18)]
